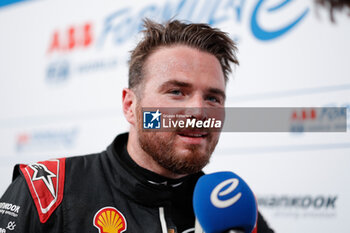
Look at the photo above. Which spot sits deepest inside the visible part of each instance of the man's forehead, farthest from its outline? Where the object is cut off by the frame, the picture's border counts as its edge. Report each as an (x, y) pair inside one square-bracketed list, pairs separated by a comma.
[(178, 55), (176, 60)]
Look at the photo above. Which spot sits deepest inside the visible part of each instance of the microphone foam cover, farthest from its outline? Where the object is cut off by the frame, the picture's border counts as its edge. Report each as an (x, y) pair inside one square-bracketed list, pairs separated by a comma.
[(223, 201)]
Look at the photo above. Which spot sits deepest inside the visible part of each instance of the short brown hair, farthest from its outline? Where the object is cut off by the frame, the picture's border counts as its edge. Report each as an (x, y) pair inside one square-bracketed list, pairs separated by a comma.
[(200, 36)]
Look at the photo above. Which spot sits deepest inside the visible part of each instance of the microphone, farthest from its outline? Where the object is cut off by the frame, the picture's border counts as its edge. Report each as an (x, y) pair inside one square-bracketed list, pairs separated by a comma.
[(224, 203)]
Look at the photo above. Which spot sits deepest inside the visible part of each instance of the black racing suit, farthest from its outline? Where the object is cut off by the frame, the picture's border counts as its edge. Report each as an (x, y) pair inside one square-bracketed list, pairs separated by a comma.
[(104, 192)]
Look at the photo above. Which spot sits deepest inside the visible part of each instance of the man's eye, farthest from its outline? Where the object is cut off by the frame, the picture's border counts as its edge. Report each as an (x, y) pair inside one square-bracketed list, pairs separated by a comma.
[(213, 99), (175, 92)]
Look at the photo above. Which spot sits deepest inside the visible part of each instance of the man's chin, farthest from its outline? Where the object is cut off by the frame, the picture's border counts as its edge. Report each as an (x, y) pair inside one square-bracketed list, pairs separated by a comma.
[(190, 151), (192, 159), (187, 166), (174, 154)]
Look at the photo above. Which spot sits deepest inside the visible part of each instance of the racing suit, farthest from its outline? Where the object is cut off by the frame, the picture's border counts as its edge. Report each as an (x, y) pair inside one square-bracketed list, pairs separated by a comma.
[(104, 192)]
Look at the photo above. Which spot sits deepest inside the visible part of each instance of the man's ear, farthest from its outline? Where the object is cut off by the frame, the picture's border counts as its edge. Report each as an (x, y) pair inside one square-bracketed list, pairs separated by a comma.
[(129, 105)]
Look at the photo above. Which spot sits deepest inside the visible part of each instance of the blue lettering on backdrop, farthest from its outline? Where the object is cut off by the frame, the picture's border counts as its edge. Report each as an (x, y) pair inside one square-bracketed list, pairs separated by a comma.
[(238, 7), (121, 25), (57, 72), (263, 34), (214, 8), (346, 112), (108, 26)]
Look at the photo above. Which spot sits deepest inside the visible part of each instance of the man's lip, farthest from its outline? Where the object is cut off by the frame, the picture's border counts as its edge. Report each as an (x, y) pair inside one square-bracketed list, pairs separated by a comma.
[(193, 133), (193, 137)]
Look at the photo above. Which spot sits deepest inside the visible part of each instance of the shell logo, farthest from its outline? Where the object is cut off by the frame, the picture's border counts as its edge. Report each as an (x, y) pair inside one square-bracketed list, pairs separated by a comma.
[(109, 220)]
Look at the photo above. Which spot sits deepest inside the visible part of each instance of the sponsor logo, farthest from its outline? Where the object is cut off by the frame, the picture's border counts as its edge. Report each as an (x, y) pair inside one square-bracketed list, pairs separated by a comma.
[(347, 109), (64, 42), (304, 114), (300, 205), (301, 202), (46, 183), (118, 27), (262, 8), (46, 140), (9, 2), (58, 72), (319, 119), (9, 209), (11, 225), (41, 172), (219, 192), (124, 22), (72, 38), (43, 180), (110, 220)]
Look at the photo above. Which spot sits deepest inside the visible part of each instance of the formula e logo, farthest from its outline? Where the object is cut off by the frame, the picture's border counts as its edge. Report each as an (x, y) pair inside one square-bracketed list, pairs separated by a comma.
[(217, 192), (151, 120)]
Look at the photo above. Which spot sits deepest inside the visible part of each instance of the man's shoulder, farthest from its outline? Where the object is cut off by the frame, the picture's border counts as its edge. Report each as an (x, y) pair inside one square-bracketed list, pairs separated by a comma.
[(64, 165), (45, 181), (84, 162), (49, 180)]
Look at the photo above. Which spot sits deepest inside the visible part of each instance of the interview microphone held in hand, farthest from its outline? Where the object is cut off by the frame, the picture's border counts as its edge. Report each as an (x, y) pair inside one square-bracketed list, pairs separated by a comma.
[(223, 202)]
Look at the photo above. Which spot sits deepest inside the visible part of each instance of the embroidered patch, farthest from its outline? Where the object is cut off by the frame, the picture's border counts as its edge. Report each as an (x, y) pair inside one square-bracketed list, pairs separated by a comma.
[(46, 184), (110, 220), (9, 209)]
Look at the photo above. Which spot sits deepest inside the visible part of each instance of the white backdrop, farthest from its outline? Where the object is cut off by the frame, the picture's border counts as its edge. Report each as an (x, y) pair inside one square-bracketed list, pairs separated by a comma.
[(63, 66)]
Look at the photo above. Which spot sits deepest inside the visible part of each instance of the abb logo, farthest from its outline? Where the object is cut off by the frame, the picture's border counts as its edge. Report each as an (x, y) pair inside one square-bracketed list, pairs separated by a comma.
[(304, 114), (71, 38)]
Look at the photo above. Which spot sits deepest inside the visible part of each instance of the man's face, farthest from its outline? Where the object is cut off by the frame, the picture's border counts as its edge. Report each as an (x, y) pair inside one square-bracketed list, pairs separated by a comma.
[(180, 77)]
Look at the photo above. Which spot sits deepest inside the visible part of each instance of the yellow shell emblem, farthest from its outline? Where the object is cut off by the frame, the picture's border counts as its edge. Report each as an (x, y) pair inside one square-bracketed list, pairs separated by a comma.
[(109, 220)]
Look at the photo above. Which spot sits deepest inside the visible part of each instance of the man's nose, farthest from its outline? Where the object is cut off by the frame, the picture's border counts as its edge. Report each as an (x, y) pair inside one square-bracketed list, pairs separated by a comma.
[(195, 107)]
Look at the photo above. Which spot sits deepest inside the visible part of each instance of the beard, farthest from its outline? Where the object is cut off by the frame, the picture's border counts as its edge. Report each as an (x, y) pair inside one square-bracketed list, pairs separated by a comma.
[(163, 149)]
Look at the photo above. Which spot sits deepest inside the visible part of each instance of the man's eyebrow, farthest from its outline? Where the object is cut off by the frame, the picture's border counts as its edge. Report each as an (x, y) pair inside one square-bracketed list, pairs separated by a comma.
[(217, 91), (174, 83), (185, 84)]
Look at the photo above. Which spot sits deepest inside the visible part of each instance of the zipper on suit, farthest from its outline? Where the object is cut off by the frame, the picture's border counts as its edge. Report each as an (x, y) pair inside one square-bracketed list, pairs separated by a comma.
[(162, 220)]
